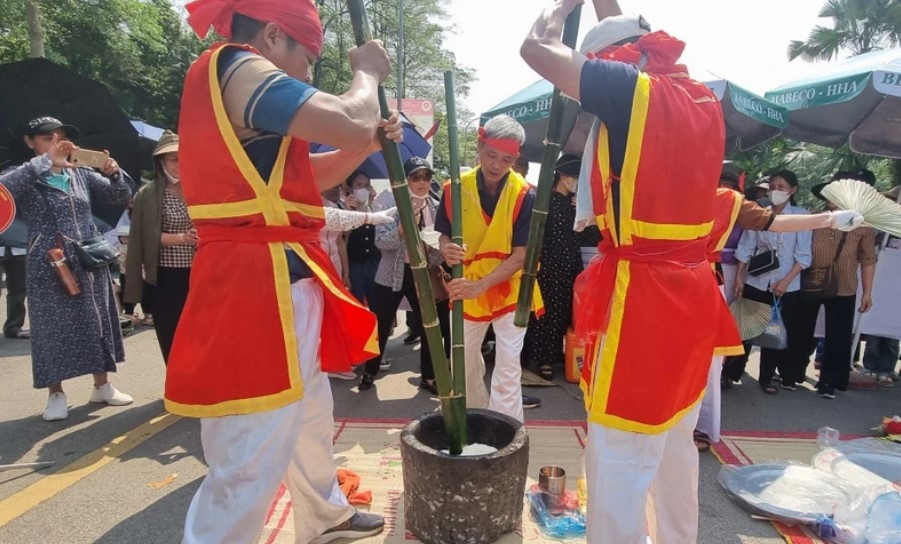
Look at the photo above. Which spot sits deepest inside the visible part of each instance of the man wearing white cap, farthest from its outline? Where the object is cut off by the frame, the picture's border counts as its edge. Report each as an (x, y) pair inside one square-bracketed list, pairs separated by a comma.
[(657, 149)]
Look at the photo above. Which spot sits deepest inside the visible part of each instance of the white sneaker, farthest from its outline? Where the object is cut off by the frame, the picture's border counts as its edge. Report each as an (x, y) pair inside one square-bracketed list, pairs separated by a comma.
[(108, 394), (346, 376), (385, 365), (57, 407)]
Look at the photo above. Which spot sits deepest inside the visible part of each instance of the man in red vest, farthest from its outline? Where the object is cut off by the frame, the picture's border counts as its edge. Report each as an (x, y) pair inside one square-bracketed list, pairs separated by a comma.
[(656, 151), (251, 351)]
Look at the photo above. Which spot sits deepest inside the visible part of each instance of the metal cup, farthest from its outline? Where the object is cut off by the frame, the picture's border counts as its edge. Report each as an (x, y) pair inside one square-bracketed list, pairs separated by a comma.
[(552, 479)]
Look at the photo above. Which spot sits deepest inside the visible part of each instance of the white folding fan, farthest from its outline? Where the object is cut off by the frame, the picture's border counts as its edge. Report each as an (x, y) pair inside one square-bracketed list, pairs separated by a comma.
[(877, 210), (752, 317)]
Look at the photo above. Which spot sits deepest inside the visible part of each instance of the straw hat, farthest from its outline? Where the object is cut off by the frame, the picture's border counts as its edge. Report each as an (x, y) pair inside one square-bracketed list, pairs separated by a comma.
[(751, 317), (168, 143)]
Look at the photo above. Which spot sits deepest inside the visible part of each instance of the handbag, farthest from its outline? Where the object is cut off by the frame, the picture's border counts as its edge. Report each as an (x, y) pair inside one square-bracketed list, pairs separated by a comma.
[(761, 263), (95, 253), (775, 336), (819, 283), (438, 278)]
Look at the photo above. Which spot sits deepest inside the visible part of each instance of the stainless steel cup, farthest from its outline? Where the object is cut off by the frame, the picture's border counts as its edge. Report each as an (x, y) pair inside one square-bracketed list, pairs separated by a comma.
[(552, 479)]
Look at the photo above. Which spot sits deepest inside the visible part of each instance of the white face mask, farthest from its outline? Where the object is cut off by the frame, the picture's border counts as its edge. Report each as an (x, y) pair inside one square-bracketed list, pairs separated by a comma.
[(170, 177), (362, 196), (779, 197)]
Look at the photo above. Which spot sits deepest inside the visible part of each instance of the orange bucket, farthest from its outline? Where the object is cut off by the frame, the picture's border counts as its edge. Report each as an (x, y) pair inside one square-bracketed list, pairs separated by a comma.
[(574, 357)]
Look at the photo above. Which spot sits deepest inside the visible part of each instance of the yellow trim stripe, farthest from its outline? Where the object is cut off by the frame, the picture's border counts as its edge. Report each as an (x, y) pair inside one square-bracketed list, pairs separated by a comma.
[(640, 102), (729, 350), (733, 217), (372, 343), (51, 485), (308, 210), (286, 313), (604, 168), (663, 231), (245, 208), (276, 181), (643, 428), (604, 368), (225, 210)]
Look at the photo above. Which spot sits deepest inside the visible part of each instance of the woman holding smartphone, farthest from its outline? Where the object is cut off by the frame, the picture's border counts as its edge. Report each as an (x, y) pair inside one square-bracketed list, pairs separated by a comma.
[(72, 334)]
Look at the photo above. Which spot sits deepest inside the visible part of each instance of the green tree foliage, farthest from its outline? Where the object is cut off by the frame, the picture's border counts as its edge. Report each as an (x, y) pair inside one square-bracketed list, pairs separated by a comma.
[(425, 59), (859, 26), (140, 49)]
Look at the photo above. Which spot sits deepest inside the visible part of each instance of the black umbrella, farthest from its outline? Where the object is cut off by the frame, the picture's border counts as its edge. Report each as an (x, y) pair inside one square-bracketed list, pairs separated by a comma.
[(38, 87)]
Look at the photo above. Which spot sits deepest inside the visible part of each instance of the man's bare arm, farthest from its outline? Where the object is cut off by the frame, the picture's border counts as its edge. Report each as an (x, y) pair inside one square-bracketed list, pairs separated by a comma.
[(545, 53)]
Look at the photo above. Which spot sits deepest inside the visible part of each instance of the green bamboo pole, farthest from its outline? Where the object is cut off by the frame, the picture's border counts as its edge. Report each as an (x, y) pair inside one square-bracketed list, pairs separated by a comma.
[(553, 143), (453, 406), (458, 350)]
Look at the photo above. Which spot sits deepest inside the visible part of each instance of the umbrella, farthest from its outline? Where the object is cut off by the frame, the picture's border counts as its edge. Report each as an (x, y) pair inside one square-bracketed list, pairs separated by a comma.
[(414, 145), (148, 136), (856, 101), (36, 87), (749, 119)]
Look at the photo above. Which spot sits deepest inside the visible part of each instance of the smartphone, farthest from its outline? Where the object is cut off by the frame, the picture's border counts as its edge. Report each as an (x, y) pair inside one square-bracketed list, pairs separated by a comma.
[(88, 159)]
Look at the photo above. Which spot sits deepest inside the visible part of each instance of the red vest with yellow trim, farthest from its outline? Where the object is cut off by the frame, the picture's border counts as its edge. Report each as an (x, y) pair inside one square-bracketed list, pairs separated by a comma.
[(489, 242), (728, 206), (650, 305), (235, 351)]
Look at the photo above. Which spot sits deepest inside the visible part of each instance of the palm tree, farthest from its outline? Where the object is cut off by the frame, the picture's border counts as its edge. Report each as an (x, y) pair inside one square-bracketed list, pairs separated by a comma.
[(860, 26)]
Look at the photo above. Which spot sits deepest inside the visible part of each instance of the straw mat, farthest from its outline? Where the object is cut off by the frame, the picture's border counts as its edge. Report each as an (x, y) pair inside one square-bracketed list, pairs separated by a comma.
[(372, 450)]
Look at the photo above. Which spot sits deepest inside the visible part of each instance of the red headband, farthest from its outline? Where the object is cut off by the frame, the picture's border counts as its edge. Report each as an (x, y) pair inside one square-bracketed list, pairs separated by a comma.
[(508, 146), (298, 18)]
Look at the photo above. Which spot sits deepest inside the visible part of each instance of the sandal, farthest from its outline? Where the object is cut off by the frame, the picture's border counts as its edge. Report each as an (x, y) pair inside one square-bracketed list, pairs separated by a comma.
[(702, 442), (546, 372), (429, 386)]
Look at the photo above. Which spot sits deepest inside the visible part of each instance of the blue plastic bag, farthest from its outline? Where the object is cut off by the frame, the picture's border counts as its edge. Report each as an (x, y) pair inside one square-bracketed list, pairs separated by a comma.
[(775, 336)]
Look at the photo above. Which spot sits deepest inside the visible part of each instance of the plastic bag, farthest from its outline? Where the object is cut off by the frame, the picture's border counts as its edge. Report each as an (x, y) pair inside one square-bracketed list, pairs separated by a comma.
[(556, 516), (775, 336), (827, 437), (884, 520)]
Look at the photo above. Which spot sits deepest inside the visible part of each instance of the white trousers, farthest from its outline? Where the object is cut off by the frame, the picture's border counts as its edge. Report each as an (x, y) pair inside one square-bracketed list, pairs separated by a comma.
[(711, 406), (249, 456), (506, 380), (623, 467)]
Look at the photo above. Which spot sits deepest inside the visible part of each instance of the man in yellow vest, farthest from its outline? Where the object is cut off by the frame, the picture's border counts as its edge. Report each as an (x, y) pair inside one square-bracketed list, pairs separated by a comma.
[(497, 207)]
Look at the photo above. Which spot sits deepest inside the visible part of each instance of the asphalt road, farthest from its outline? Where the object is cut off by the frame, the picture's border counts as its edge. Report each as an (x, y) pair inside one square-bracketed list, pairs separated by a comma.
[(131, 471)]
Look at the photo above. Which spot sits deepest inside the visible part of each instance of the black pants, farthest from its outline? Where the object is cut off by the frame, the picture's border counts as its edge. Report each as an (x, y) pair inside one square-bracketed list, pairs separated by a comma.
[(170, 294), (13, 266), (770, 359), (836, 364), (146, 298), (384, 305)]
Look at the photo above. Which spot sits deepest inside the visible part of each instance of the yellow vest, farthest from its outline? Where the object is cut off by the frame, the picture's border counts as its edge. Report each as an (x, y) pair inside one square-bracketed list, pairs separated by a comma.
[(489, 242)]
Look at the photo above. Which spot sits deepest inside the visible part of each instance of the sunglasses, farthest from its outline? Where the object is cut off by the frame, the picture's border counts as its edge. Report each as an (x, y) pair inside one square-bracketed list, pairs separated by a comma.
[(421, 177)]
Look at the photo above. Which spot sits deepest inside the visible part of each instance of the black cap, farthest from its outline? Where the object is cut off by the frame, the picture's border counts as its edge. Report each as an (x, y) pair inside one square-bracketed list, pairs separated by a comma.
[(46, 125), (568, 165), (415, 164)]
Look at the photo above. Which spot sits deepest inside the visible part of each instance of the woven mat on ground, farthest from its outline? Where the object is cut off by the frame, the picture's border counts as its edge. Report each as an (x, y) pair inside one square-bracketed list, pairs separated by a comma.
[(372, 450), (761, 447)]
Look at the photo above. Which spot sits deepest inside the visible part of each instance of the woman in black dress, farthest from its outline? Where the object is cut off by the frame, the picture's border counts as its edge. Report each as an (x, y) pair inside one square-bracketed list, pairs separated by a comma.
[(560, 263)]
